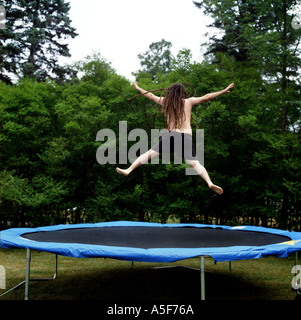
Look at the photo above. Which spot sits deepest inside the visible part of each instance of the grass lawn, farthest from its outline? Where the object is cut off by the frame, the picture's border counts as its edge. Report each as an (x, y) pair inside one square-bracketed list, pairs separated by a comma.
[(106, 279)]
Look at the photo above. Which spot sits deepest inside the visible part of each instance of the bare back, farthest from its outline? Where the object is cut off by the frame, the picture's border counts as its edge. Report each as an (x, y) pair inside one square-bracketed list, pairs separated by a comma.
[(186, 126), (188, 103)]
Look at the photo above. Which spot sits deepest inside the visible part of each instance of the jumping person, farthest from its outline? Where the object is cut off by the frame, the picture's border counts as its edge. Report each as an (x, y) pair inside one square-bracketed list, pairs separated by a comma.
[(177, 110)]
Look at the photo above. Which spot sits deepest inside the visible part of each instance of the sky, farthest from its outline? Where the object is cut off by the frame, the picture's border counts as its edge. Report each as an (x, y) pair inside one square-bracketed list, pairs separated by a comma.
[(121, 29)]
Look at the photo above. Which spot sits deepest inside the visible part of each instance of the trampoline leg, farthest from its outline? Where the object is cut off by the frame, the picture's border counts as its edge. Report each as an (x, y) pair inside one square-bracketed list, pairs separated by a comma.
[(55, 268), (202, 278), (27, 276), (296, 263)]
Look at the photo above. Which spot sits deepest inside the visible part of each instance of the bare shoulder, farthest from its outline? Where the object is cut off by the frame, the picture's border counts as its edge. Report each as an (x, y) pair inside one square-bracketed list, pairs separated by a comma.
[(196, 100), (189, 102)]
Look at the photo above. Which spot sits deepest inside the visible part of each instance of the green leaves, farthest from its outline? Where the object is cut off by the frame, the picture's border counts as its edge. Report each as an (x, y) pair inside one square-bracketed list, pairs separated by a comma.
[(48, 167), (33, 40), (158, 59)]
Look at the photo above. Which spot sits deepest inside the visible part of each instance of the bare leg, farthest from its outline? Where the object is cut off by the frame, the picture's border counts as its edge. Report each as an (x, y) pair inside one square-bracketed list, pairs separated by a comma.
[(150, 154), (202, 172)]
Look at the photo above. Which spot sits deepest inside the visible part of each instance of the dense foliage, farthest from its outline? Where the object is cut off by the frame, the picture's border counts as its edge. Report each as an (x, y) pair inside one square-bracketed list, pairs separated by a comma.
[(34, 38), (48, 168)]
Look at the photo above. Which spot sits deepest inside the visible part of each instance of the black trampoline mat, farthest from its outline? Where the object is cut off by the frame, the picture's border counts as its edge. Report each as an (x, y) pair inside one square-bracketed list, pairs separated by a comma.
[(158, 237)]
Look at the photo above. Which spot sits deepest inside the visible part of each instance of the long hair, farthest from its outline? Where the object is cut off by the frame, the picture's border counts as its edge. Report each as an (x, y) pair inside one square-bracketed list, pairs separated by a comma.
[(173, 105)]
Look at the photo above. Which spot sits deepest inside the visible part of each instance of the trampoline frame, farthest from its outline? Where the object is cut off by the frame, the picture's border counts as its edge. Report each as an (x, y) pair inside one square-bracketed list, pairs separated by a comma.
[(12, 238), (202, 275)]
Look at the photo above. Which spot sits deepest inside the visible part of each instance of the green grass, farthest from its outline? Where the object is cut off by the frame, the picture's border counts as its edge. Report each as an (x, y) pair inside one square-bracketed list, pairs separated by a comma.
[(106, 279)]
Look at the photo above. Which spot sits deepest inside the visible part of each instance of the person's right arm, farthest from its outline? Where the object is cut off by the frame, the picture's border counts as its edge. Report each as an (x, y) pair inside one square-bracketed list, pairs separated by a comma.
[(149, 95), (209, 96)]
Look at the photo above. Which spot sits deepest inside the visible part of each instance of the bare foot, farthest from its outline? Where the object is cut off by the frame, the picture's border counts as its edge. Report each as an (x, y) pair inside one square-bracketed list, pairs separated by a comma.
[(216, 189), (122, 171)]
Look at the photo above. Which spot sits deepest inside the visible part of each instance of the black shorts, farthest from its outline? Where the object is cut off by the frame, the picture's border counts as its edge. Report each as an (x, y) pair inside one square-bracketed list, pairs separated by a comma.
[(176, 142)]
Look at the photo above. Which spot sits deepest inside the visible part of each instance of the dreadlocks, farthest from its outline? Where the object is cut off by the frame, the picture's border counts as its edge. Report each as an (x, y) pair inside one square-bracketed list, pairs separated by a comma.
[(173, 106)]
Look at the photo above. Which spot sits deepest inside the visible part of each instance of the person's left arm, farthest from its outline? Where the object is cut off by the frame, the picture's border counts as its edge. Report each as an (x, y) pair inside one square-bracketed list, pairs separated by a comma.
[(209, 96)]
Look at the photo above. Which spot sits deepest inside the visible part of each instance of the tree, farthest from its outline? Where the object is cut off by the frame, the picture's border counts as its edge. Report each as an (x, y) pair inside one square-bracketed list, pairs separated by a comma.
[(260, 35), (182, 61), (48, 168), (158, 59), (95, 69), (32, 41), (29, 190), (258, 32)]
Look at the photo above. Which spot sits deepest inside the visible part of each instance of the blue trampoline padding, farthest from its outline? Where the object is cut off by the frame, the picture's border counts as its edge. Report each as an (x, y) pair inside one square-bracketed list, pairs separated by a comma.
[(12, 238)]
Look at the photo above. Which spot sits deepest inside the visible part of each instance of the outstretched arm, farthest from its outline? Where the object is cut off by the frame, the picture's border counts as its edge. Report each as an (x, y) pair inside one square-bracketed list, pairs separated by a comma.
[(149, 95), (210, 96)]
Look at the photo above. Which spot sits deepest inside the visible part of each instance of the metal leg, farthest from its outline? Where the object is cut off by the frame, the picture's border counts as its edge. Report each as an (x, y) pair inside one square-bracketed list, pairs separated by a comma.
[(27, 276), (55, 268), (296, 280), (202, 278)]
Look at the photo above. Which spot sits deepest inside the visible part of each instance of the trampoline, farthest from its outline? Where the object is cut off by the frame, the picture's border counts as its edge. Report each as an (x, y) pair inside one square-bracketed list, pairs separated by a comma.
[(153, 242)]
